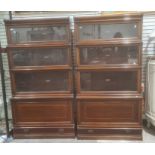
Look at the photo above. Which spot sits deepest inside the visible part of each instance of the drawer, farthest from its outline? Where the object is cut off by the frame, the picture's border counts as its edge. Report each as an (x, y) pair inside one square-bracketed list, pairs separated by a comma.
[(109, 113), (44, 132), (125, 134), (45, 112)]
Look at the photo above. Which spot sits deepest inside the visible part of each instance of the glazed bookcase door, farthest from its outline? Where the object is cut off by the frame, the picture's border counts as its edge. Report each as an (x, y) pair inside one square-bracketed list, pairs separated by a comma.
[(37, 34), (107, 31), (41, 82), (37, 31), (103, 82), (39, 57), (108, 55)]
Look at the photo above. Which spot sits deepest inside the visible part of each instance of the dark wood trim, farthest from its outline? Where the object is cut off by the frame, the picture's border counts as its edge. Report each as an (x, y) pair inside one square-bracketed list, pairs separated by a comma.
[(135, 96), (52, 21), (36, 45), (111, 67), (41, 96), (108, 18), (124, 41), (42, 68), (118, 42)]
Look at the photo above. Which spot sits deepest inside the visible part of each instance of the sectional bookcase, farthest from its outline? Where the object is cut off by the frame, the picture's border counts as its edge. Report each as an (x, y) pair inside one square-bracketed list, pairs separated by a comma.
[(40, 63), (108, 71)]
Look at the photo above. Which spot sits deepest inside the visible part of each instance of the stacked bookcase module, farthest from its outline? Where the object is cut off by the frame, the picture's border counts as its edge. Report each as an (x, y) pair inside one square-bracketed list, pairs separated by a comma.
[(108, 77), (40, 62)]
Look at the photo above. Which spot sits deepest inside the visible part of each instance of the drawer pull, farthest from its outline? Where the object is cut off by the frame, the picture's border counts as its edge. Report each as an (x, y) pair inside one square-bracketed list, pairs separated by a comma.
[(26, 130), (46, 57), (128, 131), (90, 131), (61, 130), (47, 81), (107, 80)]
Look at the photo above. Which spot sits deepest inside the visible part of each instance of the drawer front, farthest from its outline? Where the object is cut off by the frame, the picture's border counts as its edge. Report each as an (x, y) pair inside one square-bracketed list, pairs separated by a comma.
[(109, 113), (44, 132), (124, 134), (43, 113)]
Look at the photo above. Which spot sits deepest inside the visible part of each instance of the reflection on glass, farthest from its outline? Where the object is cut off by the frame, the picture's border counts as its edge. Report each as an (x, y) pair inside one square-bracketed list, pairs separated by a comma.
[(28, 34), (108, 81), (41, 81), (107, 31), (108, 55), (40, 57)]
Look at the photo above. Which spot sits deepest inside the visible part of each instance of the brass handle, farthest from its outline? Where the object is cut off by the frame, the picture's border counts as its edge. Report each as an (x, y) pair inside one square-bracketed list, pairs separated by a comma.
[(26, 130), (46, 57), (90, 131), (61, 130), (47, 81), (107, 80)]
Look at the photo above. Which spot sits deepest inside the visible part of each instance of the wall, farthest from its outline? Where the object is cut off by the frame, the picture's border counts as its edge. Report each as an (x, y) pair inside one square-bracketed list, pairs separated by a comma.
[(148, 40), (4, 15)]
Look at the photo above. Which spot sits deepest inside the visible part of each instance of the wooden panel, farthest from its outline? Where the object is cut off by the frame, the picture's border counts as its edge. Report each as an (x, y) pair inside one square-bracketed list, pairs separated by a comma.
[(44, 113), (109, 113)]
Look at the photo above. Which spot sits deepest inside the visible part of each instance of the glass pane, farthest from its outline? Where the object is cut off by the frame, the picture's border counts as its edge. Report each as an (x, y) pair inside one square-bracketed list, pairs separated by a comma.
[(41, 81), (108, 55), (108, 81), (40, 57), (46, 33), (107, 31)]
